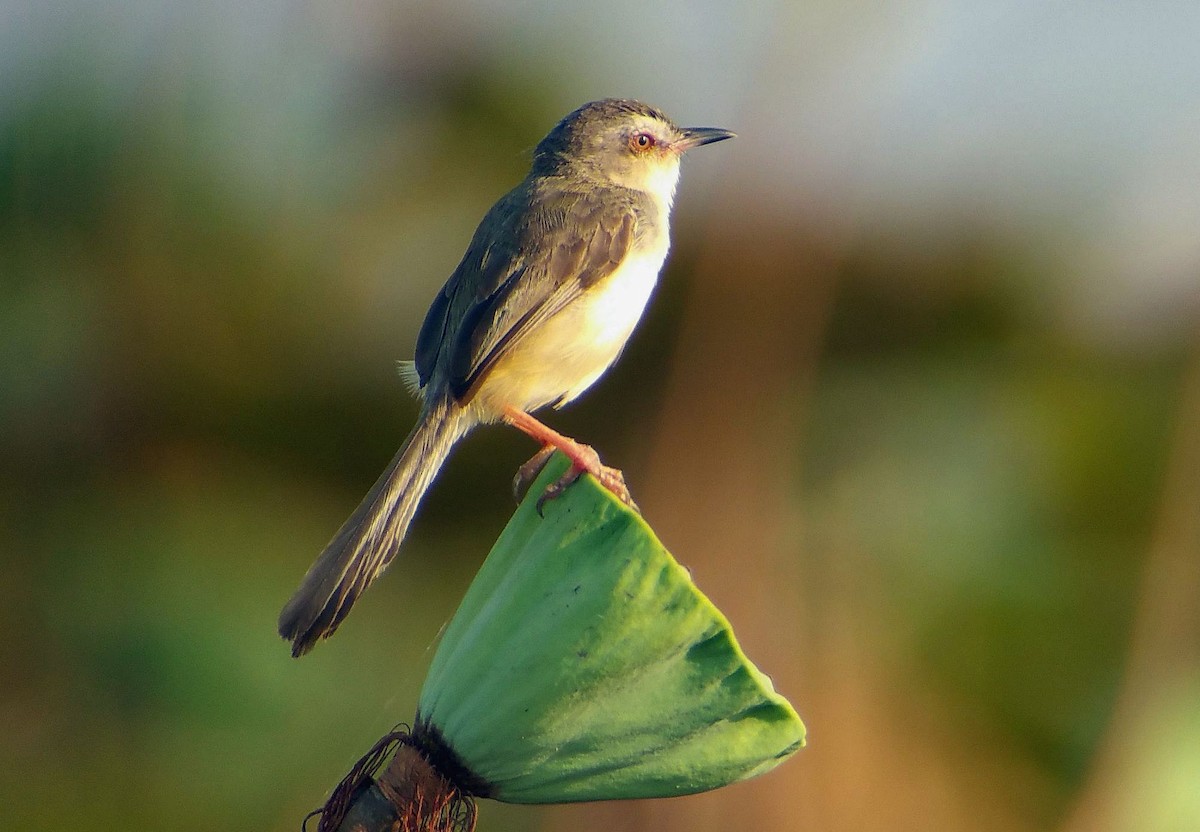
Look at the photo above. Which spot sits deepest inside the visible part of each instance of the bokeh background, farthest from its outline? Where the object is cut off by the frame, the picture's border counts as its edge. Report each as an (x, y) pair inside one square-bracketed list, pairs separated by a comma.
[(917, 401)]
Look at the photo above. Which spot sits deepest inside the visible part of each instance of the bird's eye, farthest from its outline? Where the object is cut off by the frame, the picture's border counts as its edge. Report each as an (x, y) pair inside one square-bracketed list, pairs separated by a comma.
[(640, 141)]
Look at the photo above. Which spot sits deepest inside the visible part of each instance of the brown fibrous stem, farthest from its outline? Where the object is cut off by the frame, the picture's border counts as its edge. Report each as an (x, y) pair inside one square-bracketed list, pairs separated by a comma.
[(409, 796)]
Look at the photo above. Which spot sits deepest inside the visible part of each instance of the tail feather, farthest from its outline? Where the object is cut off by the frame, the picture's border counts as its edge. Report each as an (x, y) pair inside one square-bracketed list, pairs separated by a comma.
[(367, 542)]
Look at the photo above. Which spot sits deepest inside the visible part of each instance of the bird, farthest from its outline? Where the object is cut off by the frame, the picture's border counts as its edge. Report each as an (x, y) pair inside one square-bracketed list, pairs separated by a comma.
[(551, 286)]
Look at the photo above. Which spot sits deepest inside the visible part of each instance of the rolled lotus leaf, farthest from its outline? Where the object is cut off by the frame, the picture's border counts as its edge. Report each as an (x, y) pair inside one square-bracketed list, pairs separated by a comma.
[(584, 664)]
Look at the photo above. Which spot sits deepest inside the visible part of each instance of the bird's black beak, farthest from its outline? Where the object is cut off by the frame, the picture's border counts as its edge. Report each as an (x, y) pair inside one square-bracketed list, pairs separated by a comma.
[(696, 136)]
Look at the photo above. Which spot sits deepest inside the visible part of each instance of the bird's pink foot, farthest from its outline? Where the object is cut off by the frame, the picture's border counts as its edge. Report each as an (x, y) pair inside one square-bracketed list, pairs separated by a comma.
[(583, 459)]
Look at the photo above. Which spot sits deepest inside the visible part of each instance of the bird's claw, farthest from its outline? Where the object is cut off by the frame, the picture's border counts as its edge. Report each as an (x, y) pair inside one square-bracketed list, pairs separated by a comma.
[(588, 461), (528, 472), (556, 489)]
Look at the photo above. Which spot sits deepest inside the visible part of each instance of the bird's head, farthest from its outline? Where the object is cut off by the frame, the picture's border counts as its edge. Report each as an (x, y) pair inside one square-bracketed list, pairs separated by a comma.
[(623, 142)]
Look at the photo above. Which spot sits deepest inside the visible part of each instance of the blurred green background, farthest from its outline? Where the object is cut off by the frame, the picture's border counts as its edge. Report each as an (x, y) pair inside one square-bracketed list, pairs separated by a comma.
[(917, 400)]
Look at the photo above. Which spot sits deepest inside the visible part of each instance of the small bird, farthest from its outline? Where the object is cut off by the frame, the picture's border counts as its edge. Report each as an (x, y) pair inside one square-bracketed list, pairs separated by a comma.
[(556, 277)]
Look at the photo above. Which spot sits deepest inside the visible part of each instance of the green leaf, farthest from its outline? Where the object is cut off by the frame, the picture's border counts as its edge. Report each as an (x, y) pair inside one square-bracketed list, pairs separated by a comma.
[(584, 664)]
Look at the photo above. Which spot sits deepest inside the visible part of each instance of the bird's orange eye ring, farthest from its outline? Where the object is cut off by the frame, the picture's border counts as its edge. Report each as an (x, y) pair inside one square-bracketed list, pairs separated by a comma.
[(641, 141)]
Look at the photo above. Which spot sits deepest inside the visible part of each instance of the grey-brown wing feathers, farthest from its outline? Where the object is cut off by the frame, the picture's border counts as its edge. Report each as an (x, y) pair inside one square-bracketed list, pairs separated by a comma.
[(540, 284), (487, 264), (528, 259), (433, 333)]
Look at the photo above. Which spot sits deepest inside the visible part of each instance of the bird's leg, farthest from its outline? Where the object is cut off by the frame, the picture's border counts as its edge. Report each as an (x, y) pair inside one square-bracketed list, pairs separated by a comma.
[(583, 458)]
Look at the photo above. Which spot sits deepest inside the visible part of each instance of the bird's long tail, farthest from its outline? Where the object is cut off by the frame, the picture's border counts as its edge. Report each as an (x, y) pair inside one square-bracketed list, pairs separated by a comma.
[(368, 541)]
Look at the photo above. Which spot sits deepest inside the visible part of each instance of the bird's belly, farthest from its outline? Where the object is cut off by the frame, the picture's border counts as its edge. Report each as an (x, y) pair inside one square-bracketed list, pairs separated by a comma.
[(570, 351)]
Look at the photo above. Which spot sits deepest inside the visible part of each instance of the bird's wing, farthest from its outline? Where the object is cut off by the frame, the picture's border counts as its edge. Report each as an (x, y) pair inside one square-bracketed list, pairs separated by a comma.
[(487, 263), (563, 246)]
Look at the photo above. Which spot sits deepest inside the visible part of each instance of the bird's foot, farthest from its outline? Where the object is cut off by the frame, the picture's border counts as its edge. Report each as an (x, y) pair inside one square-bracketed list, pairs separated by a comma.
[(528, 472), (583, 459)]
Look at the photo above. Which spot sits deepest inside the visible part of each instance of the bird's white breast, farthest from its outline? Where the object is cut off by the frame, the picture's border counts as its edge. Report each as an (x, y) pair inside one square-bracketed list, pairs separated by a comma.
[(569, 352), (612, 308)]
